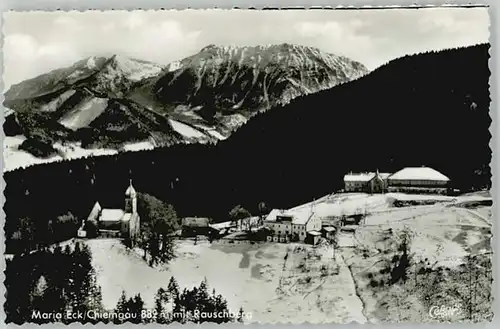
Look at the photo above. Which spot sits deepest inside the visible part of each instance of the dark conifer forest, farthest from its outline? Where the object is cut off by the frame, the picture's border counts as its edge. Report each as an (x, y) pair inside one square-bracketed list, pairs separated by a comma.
[(429, 109), (50, 281), (54, 285)]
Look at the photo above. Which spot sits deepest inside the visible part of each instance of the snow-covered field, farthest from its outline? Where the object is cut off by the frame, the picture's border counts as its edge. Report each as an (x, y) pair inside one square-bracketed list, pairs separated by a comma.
[(420, 197), (442, 231), (246, 275), (440, 234), (335, 205), (15, 158)]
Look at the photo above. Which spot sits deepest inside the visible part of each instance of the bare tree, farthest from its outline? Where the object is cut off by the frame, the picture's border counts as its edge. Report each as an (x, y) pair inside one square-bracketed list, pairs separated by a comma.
[(240, 214), (262, 211)]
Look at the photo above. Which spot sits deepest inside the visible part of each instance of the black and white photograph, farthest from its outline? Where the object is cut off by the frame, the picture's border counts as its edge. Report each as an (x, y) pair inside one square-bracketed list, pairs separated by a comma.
[(248, 166)]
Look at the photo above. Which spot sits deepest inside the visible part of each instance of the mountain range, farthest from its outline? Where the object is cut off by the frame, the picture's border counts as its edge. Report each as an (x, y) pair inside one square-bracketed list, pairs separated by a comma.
[(112, 102)]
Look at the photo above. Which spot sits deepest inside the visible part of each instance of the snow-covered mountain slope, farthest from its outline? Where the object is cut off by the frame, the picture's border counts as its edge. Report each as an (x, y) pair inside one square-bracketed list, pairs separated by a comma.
[(108, 102), (121, 73), (249, 79), (105, 76), (55, 80)]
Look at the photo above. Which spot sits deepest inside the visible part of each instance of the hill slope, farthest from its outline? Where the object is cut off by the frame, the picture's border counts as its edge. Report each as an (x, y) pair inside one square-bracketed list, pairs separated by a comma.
[(84, 103), (429, 109)]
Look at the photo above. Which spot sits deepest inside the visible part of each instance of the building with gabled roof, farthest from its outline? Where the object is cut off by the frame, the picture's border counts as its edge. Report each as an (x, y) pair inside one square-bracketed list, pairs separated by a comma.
[(193, 226), (288, 225), (124, 223), (419, 180), (369, 182)]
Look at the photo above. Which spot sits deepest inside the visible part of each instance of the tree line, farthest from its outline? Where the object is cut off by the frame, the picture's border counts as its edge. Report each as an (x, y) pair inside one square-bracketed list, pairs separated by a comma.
[(61, 280), (195, 305), (30, 233)]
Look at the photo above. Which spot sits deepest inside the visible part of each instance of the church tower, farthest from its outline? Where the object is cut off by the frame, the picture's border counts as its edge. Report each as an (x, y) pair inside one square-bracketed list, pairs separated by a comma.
[(130, 199)]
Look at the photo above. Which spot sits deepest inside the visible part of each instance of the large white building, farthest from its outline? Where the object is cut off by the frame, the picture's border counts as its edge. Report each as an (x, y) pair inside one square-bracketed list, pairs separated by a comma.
[(418, 180), (289, 226), (406, 180)]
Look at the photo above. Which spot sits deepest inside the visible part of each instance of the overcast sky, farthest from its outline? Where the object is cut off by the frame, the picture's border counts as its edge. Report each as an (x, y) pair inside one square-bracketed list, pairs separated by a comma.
[(37, 42)]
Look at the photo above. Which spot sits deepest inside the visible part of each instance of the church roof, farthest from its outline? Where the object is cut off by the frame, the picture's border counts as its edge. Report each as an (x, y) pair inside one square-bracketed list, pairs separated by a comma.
[(94, 213), (195, 222), (111, 215)]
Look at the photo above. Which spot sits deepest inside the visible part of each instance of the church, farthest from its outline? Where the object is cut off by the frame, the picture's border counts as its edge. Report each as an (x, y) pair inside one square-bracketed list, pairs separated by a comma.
[(122, 223)]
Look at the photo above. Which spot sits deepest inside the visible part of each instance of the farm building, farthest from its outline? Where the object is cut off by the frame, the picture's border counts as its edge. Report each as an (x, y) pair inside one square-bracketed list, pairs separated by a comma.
[(371, 182), (328, 232), (193, 226), (313, 237), (115, 222), (288, 226), (419, 180)]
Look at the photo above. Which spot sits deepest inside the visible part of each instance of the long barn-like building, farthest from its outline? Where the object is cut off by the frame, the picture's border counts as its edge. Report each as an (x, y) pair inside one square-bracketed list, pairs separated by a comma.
[(419, 180), (408, 180)]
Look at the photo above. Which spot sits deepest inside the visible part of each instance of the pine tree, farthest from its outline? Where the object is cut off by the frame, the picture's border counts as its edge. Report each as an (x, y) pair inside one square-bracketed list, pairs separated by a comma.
[(167, 248), (159, 309), (38, 300), (136, 308), (173, 288), (40, 287), (121, 306), (203, 297), (94, 298)]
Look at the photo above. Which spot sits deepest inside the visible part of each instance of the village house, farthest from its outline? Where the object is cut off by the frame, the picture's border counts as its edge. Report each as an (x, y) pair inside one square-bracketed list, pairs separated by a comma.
[(419, 180), (193, 226), (123, 223), (285, 226), (371, 182), (328, 232)]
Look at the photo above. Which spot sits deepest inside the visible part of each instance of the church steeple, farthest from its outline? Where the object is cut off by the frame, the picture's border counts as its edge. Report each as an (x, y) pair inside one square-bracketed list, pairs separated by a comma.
[(130, 199), (130, 190)]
